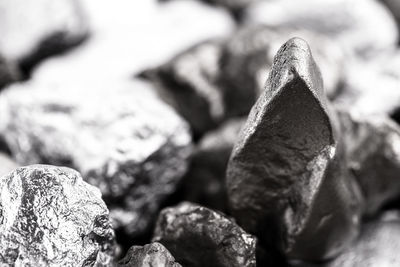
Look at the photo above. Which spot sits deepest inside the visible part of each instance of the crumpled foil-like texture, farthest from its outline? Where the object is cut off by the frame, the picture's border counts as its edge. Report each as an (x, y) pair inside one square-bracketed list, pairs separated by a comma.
[(198, 236), (51, 217), (120, 136), (48, 27), (150, 255), (287, 179)]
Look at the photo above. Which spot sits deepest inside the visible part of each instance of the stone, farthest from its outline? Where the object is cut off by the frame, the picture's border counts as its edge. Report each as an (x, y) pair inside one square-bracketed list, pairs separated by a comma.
[(287, 179), (205, 181), (363, 27), (198, 236), (373, 147), (188, 82), (154, 254), (51, 217), (49, 27), (119, 135), (7, 164)]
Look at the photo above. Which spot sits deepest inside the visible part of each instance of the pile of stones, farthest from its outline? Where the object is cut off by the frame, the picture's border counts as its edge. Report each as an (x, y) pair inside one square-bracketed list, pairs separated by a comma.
[(187, 133)]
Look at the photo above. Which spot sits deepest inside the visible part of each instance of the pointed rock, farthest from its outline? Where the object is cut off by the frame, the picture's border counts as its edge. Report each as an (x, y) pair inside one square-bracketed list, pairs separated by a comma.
[(285, 177), (198, 236)]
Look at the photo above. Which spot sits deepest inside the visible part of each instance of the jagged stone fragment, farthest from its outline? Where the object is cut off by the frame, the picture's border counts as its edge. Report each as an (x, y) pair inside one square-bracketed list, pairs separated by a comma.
[(363, 27), (198, 236), (51, 217), (286, 179), (150, 255), (373, 148), (31, 31), (120, 136), (205, 181)]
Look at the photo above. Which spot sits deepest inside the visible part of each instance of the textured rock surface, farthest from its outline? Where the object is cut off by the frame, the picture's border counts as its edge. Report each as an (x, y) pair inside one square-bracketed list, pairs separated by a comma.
[(50, 217), (120, 136), (188, 82), (198, 236), (287, 176), (361, 26), (7, 164), (205, 181), (373, 148), (48, 27), (151, 255)]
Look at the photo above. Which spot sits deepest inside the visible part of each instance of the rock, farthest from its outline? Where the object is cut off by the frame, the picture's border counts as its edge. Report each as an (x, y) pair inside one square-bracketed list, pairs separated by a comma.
[(7, 164), (362, 27), (50, 217), (49, 27), (188, 82), (198, 236), (153, 254), (287, 179), (248, 57), (205, 181), (372, 144), (120, 136)]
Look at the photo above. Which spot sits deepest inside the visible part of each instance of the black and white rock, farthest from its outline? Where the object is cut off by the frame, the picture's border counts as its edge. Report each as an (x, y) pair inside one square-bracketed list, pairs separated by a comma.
[(150, 255), (287, 179), (120, 136), (363, 27), (198, 236), (373, 148), (33, 31), (51, 217), (205, 181)]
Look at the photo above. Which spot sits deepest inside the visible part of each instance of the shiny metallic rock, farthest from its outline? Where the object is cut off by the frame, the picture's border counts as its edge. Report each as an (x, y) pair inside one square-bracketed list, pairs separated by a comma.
[(48, 27), (51, 217), (362, 27), (120, 136), (198, 236), (205, 181), (287, 179), (373, 148), (150, 255)]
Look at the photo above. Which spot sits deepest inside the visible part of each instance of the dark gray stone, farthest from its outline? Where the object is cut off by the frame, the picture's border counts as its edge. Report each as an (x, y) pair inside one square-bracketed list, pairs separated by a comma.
[(198, 236), (150, 255), (287, 179), (373, 147), (205, 181), (362, 27), (33, 31), (51, 217), (120, 136)]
